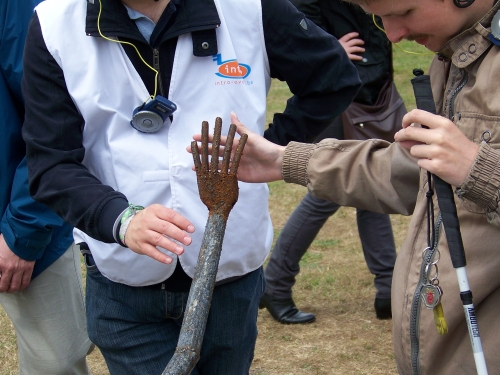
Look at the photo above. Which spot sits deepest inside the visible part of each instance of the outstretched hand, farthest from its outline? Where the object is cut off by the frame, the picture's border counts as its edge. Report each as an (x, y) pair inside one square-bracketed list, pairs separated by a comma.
[(442, 149), (261, 160)]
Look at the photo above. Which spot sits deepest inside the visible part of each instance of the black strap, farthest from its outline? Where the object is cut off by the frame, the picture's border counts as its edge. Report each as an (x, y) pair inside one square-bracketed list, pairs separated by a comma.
[(445, 196)]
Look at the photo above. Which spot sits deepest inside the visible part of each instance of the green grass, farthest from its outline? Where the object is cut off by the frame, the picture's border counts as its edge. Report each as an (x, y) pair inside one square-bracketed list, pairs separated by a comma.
[(326, 243)]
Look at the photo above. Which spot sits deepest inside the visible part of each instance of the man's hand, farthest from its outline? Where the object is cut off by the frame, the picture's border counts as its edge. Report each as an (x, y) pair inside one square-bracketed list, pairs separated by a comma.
[(352, 45), (442, 149), (15, 272), (261, 160), (157, 225)]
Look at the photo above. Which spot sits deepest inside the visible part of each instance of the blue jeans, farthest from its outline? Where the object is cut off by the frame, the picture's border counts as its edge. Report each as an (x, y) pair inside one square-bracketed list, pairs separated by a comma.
[(137, 329)]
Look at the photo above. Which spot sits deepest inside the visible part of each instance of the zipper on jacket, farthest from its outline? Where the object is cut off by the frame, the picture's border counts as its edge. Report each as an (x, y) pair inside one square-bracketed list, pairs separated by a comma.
[(156, 65), (455, 93), (417, 302)]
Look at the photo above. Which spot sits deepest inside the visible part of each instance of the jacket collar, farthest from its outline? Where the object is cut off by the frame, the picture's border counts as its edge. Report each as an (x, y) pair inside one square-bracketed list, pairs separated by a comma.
[(194, 15), (469, 45)]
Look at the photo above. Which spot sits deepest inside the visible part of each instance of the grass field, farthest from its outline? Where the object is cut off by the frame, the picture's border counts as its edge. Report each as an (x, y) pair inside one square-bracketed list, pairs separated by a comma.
[(334, 283)]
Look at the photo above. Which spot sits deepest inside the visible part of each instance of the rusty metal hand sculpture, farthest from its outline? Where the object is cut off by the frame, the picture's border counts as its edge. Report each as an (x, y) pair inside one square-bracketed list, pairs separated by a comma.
[(219, 191)]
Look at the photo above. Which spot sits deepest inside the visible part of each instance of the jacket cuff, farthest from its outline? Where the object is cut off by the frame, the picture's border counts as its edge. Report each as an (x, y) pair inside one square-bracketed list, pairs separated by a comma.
[(295, 161), (109, 214), (483, 182), (29, 246)]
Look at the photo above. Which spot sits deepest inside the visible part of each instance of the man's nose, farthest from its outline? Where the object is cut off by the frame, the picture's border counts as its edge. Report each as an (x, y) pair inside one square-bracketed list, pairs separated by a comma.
[(394, 30)]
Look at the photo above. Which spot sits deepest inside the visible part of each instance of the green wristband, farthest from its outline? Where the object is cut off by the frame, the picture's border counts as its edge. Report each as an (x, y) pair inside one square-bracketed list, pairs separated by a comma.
[(125, 220)]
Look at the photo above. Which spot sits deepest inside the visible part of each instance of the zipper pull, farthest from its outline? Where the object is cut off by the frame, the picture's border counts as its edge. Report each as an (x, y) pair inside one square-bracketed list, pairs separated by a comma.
[(156, 59), (156, 66)]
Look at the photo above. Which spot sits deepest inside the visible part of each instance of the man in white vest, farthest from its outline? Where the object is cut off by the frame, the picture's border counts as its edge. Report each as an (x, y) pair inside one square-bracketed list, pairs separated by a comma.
[(114, 91)]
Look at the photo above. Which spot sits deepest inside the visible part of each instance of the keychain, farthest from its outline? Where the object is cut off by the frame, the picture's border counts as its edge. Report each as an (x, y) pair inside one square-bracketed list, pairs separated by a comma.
[(431, 292)]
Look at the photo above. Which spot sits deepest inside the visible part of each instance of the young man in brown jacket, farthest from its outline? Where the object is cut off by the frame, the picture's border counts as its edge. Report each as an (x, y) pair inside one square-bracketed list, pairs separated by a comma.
[(460, 146)]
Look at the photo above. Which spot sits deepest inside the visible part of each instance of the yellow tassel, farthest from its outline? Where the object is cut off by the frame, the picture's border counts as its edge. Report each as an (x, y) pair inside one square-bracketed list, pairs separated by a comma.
[(439, 319)]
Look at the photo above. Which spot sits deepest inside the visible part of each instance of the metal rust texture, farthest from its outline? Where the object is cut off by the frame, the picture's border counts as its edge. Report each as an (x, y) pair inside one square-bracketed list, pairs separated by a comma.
[(218, 188)]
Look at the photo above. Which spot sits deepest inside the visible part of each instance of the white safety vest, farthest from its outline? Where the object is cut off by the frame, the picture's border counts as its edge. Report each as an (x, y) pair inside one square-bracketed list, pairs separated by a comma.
[(156, 168)]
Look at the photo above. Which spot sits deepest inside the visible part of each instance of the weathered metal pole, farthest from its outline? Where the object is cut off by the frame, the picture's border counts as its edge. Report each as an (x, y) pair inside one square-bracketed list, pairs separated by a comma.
[(219, 191)]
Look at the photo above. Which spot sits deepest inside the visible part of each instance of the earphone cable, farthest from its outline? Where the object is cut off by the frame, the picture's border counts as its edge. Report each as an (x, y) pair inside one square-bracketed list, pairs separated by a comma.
[(130, 44)]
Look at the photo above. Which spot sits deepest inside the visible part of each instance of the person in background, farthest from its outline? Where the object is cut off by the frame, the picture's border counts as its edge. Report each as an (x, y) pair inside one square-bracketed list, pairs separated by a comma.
[(128, 187), (370, 50), (40, 274)]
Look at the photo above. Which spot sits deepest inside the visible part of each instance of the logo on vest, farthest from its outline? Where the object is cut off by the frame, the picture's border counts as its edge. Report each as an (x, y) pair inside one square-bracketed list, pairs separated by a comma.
[(232, 70)]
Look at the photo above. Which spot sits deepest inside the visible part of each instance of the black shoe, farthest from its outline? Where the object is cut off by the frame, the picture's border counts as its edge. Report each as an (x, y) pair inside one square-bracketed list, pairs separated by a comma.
[(285, 311), (383, 308)]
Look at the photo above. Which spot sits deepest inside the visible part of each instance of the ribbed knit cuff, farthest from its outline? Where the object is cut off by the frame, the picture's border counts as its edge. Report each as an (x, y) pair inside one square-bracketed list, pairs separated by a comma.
[(483, 182), (295, 161)]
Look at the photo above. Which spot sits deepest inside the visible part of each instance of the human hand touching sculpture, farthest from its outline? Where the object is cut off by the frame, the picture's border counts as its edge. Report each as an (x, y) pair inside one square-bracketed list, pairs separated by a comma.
[(261, 161), (442, 149)]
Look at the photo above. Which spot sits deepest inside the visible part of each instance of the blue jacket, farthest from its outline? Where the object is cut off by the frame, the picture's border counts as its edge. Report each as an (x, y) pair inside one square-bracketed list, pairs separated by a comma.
[(30, 229)]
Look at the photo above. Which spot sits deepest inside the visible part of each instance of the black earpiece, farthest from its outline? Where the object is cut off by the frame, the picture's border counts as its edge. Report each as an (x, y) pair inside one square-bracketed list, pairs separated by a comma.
[(463, 3)]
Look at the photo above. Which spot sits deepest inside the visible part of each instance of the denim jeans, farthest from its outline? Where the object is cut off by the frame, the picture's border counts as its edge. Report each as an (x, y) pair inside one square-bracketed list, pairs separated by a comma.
[(137, 329)]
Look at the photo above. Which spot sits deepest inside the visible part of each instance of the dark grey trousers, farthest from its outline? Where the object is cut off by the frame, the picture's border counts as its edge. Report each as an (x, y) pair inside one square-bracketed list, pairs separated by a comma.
[(375, 232)]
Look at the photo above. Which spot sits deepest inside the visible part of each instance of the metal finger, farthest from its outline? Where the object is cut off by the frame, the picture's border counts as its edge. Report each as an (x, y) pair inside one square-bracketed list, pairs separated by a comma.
[(214, 166), (239, 151), (196, 156), (229, 147), (204, 145)]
